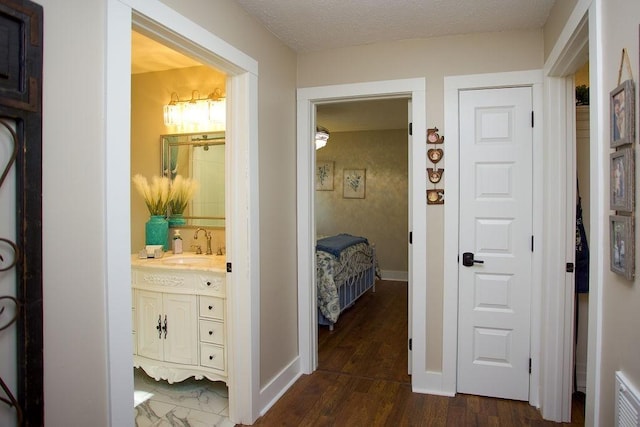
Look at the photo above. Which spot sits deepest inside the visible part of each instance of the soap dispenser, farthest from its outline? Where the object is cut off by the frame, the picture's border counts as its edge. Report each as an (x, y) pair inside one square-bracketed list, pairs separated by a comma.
[(177, 242)]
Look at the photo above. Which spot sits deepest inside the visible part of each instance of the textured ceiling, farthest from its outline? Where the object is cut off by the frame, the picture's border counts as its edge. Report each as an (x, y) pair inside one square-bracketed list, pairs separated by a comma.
[(312, 25)]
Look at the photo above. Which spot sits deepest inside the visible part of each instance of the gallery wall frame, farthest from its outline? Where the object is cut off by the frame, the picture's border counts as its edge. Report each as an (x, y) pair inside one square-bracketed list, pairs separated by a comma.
[(622, 180), (622, 110), (622, 245)]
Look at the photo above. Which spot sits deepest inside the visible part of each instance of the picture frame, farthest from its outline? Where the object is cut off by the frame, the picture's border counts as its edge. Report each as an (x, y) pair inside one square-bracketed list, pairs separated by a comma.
[(622, 181), (622, 245), (354, 183), (622, 110), (324, 176)]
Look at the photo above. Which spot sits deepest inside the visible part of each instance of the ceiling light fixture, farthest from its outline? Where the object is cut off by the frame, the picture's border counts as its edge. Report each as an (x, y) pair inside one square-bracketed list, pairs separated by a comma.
[(322, 136), (202, 113)]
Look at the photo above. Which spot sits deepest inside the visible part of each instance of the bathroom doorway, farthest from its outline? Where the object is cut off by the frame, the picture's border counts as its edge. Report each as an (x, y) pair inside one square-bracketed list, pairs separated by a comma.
[(178, 32), (162, 76)]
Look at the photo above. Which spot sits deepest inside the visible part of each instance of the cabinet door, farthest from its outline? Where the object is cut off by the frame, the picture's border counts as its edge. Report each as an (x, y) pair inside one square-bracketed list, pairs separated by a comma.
[(181, 339), (148, 311)]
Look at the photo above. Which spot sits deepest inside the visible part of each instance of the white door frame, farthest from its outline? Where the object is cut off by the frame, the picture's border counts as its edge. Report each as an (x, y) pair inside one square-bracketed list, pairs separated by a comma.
[(307, 295), (576, 42), (243, 308), (452, 86)]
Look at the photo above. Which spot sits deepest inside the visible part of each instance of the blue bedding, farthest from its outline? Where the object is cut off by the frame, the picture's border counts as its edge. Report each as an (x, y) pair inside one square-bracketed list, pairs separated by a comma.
[(336, 244)]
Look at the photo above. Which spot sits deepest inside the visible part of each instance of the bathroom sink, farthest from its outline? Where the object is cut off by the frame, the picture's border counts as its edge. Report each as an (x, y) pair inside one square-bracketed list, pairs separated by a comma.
[(187, 260)]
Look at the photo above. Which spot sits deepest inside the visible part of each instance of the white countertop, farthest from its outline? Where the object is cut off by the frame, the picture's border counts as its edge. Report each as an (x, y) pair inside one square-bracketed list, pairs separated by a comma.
[(184, 261)]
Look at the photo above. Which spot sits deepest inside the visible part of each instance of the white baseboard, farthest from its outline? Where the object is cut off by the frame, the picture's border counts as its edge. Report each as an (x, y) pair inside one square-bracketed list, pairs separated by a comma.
[(402, 276), (278, 386), (430, 382)]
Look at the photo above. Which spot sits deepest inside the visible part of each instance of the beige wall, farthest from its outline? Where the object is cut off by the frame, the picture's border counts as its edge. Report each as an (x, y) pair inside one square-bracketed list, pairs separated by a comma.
[(558, 16), (73, 194), (620, 298), (382, 216), (149, 93), (74, 242), (433, 59)]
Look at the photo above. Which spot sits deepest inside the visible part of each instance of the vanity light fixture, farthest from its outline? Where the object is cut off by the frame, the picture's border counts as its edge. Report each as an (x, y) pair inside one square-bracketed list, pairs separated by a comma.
[(322, 136), (206, 113)]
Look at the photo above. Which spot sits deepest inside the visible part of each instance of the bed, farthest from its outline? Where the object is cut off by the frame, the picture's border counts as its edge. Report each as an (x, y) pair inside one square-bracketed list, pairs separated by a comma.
[(346, 267)]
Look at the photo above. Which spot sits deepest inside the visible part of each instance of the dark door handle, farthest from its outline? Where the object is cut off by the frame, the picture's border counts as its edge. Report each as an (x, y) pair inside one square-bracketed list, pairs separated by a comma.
[(159, 327), (468, 261)]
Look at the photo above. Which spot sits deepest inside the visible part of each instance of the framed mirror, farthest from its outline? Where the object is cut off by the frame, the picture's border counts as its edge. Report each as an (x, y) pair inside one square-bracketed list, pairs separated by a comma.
[(200, 156)]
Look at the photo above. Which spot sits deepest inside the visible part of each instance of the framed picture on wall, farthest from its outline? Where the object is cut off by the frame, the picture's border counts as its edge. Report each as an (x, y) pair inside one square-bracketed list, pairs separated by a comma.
[(622, 182), (622, 104), (354, 183), (324, 176), (622, 245)]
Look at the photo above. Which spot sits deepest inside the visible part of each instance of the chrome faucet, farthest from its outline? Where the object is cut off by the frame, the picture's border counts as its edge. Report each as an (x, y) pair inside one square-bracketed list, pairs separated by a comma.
[(208, 235)]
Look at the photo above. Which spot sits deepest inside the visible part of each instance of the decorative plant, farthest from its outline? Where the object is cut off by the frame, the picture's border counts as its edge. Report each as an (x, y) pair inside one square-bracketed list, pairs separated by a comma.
[(181, 192), (156, 195), (582, 95)]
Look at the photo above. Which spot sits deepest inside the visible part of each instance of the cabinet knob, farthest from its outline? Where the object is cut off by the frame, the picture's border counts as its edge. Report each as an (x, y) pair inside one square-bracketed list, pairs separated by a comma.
[(210, 332), (208, 283), (212, 357), (210, 307)]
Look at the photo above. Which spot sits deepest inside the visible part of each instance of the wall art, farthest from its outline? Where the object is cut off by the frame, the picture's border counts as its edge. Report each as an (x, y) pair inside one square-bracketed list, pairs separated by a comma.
[(354, 184), (622, 245), (622, 102), (622, 182), (324, 176)]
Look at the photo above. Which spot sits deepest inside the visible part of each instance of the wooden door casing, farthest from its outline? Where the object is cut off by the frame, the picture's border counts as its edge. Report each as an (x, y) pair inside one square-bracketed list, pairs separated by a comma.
[(21, 102)]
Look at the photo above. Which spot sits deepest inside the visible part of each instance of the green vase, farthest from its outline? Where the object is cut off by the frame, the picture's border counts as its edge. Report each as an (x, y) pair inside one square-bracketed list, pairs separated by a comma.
[(157, 231), (176, 220)]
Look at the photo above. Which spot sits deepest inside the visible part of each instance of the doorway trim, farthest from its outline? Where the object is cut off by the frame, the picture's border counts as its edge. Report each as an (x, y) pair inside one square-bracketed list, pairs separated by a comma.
[(307, 99), (181, 33), (576, 43), (452, 87)]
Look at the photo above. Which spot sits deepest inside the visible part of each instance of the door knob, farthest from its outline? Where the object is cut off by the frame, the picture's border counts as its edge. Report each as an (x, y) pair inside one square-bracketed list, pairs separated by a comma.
[(468, 261)]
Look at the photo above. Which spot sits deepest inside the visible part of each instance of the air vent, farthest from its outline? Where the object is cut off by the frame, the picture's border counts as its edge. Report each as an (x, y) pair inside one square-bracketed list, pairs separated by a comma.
[(627, 403)]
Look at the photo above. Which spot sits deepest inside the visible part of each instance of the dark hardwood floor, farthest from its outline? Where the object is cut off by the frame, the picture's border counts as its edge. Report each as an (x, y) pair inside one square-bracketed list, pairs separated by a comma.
[(362, 379)]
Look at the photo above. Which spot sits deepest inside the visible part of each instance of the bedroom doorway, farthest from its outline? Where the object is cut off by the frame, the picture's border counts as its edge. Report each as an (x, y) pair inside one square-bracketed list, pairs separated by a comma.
[(309, 100), (368, 141)]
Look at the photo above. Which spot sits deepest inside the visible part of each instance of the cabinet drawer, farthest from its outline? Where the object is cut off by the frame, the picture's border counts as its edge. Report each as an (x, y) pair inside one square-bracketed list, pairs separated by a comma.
[(212, 331), (211, 283), (212, 356), (211, 307)]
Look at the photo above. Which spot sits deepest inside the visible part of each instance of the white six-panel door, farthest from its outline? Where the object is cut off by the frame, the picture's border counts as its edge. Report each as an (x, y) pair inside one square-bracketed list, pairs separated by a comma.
[(496, 227)]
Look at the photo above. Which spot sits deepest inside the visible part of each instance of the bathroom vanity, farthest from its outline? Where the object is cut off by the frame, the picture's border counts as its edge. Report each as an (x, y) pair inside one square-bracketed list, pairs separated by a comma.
[(179, 316)]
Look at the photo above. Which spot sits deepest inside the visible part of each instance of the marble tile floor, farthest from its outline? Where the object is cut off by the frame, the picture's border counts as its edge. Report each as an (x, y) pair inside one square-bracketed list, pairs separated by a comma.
[(190, 403)]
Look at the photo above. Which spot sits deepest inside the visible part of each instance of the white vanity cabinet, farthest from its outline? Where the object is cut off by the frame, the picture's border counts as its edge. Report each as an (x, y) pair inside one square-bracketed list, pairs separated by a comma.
[(169, 325), (179, 319)]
